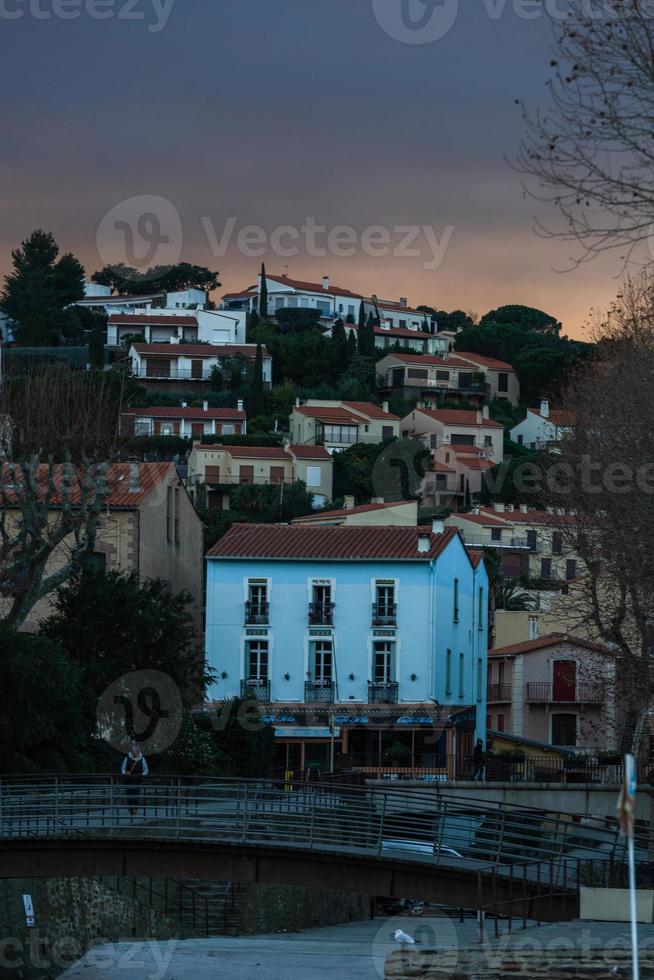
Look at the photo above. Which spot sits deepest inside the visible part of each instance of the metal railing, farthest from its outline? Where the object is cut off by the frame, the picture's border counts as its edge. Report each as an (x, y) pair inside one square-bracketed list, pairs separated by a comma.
[(257, 613), (498, 692), (584, 692), (383, 693), (321, 613), (384, 615), (319, 692), (473, 836), (255, 688)]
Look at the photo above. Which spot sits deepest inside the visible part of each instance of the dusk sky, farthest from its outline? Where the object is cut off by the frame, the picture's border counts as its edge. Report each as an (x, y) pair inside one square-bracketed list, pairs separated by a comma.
[(272, 112)]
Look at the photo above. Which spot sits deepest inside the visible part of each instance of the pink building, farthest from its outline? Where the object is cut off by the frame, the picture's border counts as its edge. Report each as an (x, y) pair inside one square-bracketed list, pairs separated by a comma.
[(556, 689)]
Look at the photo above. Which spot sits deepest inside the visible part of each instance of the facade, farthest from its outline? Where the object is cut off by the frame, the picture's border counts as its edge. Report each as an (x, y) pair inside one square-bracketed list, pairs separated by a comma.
[(400, 513), (358, 641), (556, 689), (409, 339), (213, 471), (149, 527), (102, 299), (456, 473), (338, 425), (543, 427), (186, 421), (193, 363), (177, 325), (481, 528), (452, 377), (458, 429)]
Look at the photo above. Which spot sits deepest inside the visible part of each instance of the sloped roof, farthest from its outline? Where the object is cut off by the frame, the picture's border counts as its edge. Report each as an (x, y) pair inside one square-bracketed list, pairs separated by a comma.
[(313, 287), (458, 416), (488, 362), (347, 511), (298, 541), (134, 319), (198, 350), (549, 640), (310, 452), (144, 477), (429, 360), (329, 413), (558, 416), (173, 412), (371, 410)]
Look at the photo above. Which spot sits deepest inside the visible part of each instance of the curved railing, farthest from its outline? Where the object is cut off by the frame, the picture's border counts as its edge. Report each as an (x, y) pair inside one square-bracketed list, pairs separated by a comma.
[(415, 825)]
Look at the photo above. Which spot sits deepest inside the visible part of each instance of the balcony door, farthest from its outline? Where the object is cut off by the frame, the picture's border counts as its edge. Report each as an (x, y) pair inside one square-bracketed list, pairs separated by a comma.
[(257, 660), (383, 666), (323, 663), (564, 680)]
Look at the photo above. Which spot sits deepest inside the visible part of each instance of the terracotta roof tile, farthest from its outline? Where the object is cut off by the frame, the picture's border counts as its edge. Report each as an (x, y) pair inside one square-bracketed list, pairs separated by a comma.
[(458, 416), (173, 412), (120, 476), (543, 642), (328, 413), (310, 452), (199, 350), (557, 416), (428, 360), (134, 319), (313, 287), (489, 362), (298, 541), (346, 511), (371, 410)]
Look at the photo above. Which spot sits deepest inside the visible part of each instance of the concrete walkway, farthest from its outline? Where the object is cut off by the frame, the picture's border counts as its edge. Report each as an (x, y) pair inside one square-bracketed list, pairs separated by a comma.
[(356, 951)]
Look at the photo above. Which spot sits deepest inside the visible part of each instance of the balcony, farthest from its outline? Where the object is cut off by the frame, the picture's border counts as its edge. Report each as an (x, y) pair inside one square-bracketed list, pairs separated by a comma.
[(477, 539), (319, 692), (498, 692), (384, 615), (321, 614), (255, 689), (384, 693), (543, 692), (257, 614)]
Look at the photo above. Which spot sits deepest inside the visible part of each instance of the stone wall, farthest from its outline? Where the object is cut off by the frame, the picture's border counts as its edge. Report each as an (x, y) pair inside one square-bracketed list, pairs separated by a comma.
[(274, 908)]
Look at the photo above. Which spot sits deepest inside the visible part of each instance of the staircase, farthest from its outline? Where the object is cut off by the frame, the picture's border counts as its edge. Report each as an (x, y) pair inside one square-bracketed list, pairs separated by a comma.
[(208, 908)]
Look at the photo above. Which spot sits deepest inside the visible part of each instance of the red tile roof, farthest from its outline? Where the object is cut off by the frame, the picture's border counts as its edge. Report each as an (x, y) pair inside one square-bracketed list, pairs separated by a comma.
[(346, 511), (173, 412), (557, 416), (458, 416), (484, 519), (371, 410), (401, 332), (241, 295), (313, 287), (389, 304), (251, 452), (133, 319), (534, 517), (199, 350), (310, 452), (144, 476), (489, 362), (328, 413), (476, 557), (298, 541), (428, 360), (543, 642), (438, 467)]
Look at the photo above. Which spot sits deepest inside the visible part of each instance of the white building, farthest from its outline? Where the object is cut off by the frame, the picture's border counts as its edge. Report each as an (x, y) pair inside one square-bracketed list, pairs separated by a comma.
[(168, 325), (190, 362), (543, 427), (186, 421)]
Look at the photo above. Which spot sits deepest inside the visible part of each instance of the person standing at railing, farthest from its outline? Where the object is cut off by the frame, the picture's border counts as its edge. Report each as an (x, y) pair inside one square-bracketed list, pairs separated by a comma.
[(479, 761), (133, 769)]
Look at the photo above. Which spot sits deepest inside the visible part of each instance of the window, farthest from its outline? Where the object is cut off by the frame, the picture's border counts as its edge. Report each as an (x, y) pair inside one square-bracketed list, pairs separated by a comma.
[(557, 542), (257, 601), (496, 534), (448, 672), (533, 627), (461, 439), (96, 561), (456, 600), (521, 439), (320, 610), (322, 661), (479, 679), (387, 432), (347, 434), (177, 518), (545, 567), (256, 660), (500, 723), (480, 608), (417, 373), (570, 569), (383, 657), (532, 540), (488, 441), (502, 381), (169, 513), (442, 375), (313, 475), (564, 729), (385, 609), (461, 675)]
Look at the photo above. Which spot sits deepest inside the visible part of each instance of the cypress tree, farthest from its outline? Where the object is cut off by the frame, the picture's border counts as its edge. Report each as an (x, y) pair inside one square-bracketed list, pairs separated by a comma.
[(362, 314), (263, 294), (256, 399), (339, 345), (351, 346)]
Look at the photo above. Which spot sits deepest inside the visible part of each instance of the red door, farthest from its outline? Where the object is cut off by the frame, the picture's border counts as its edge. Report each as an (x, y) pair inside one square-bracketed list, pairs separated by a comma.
[(277, 474), (246, 474), (564, 680)]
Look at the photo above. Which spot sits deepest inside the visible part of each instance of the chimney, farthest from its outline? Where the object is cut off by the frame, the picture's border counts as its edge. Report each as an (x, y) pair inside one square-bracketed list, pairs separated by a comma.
[(524, 509), (174, 339), (480, 416), (297, 402), (205, 406), (385, 407), (438, 525), (134, 478), (325, 282), (485, 413), (545, 408), (348, 501), (403, 302), (184, 404), (424, 544), (509, 508), (498, 507), (239, 405), (476, 509)]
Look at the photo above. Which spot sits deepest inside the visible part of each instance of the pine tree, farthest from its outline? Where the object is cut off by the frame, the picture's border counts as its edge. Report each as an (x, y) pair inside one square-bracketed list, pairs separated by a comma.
[(256, 398), (263, 294)]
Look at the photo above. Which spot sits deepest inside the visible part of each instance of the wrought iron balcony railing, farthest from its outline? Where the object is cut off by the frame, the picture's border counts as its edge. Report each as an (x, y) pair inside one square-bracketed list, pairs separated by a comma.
[(585, 692), (498, 692), (384, 615), (257, 614), (385, 692), (256, 689), (319, 692), (321, 614)]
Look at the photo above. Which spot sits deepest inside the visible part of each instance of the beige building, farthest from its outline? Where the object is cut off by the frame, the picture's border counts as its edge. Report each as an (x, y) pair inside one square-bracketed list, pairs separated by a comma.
[(377, 513), (214, 469), (500, 377), (188, 421), (557, 689), (149, 527), (452, 378), (458, 429), (339, 425)]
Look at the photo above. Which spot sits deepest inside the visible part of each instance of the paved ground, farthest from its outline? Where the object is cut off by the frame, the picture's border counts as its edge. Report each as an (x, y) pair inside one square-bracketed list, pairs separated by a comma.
[(353, 952)]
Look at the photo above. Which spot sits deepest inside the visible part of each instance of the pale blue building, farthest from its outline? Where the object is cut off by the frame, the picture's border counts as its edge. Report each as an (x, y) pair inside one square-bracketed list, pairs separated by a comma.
[(362, 642)]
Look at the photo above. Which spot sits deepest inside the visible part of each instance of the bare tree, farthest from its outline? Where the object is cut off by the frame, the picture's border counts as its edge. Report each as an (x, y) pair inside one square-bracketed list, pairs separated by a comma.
[(58, 437), (592, 151), (604, 473)]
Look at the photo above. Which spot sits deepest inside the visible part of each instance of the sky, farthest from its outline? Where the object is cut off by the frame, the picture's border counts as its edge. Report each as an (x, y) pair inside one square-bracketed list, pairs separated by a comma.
[(367, 140)]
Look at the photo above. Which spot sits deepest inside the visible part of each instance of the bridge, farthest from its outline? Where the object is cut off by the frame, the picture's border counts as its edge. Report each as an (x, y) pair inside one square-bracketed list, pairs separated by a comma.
[(381, 840)]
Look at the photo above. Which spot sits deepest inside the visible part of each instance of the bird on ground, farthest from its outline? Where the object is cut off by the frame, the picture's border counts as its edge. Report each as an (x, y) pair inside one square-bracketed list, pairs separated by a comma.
[(404, 939)]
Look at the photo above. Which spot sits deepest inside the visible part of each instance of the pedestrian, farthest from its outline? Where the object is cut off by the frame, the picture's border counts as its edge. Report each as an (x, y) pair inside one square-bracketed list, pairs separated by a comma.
[(478, 758), (133, 769)]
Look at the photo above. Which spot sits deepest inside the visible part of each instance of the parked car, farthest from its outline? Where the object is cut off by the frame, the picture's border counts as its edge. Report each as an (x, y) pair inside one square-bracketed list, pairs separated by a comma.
[(418, 847)]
